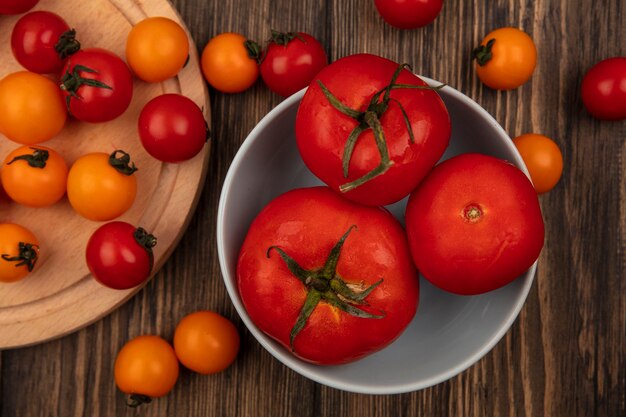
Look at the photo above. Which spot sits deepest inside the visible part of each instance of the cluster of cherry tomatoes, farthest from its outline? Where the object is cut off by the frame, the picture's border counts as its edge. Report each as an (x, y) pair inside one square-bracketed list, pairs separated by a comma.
[(148, 366), (63, 79)]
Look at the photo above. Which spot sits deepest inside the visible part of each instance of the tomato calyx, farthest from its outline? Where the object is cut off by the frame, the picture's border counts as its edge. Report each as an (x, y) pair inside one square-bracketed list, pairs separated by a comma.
[(36, 160), (370, 119), (482, 53), (27, 255), (72, 81), (323, 284), (67, 44), (256, 52), (146, 241), (283, 38), (135, 400), (122, 163)]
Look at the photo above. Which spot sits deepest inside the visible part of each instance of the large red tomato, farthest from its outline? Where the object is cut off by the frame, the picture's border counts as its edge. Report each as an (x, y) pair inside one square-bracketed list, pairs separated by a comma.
[(97, 84), (474, 224), (329, 279), (370, 129)]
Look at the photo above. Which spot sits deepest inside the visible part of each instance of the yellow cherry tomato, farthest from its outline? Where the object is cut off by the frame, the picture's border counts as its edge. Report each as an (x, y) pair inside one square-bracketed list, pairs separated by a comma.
[(157, 49), (19, 251), (32, 109), (505, 59), (543, 159), (146, 366), (206, 342), (226, 64), (102, 187), (34, 176)]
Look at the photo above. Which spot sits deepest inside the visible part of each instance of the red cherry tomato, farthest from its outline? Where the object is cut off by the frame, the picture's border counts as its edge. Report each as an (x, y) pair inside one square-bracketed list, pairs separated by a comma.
[(41, 41), (119, 255), (16, 6), (290, 62), (172, 128), (474, 224), (329, 279), (97, 85), (409, 14), (335, 129), (604, 89)]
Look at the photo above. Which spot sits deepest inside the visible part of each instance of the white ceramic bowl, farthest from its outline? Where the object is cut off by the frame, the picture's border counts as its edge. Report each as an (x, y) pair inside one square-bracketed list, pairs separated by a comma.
[(448, 334)]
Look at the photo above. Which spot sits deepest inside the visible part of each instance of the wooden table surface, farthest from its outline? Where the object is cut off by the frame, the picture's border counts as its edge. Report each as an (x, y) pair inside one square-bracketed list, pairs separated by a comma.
[(564, 355)]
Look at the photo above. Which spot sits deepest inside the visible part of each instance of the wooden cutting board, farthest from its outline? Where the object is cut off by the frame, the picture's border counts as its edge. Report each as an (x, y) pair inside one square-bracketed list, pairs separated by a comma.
[(60, 296)]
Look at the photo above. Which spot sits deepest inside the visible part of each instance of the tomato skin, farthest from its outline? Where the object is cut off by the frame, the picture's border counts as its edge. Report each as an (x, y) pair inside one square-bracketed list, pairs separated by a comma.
[(474, 224), (34, 38), (513, 60), (226, 64), (409, 14), (172, 128), (97, 104), (603, 89), (34, 186), (146, 365), (11, 235), (25, 97), (306, 223), (542, 158), (16, 6), (157, 49), (115, 257), (287, 69), (97, 191), (322, 130), (206, 342)]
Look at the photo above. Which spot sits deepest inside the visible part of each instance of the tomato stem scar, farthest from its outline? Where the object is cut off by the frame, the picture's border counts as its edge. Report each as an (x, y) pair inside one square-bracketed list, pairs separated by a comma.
[(323, 284), (472, 213)]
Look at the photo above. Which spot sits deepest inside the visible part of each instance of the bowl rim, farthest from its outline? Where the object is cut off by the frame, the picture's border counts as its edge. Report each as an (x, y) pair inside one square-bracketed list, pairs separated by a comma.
[(295, 363)]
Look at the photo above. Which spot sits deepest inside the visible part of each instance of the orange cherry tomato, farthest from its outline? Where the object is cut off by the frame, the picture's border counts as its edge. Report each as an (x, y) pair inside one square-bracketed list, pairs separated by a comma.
[(146, 367), (227, 65), (543, 159), (157, 49), (19, 251), (505, 59), (206, 342), (34, 176), (102, 187), (32, 109)]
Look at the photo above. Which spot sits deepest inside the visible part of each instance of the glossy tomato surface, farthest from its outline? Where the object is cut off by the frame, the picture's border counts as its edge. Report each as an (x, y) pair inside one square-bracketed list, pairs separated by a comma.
[(97, 85), (506, 58), (31, 108), (35, 176), (322, 131), (102, 187), (172, 128), (146, 365), (604, 89), (157, 48), (307, 225), (474, 224), (409, 14), (290, 62), (206, 342), (119, 255), (41, 41), (19, 252)]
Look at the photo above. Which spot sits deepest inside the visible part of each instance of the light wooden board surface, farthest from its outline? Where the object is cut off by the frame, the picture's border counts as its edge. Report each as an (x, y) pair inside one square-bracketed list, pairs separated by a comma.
[(60, 296)]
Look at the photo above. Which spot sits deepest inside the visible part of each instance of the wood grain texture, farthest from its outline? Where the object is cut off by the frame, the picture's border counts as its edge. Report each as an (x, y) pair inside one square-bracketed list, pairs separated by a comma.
[(566, 353)]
